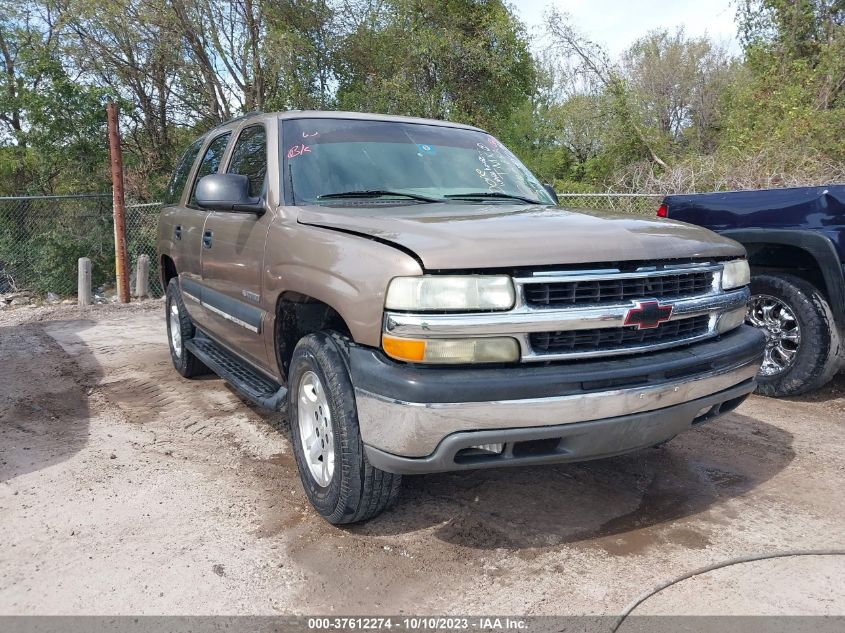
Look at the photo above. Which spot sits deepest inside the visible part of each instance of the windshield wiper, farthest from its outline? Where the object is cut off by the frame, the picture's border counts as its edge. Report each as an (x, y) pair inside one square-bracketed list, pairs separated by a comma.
[(492, 194), (377, 193)]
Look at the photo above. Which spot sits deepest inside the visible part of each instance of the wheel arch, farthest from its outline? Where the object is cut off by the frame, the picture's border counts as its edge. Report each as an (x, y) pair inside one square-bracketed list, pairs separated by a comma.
[(297, 315), (811, 256), (167, 270)]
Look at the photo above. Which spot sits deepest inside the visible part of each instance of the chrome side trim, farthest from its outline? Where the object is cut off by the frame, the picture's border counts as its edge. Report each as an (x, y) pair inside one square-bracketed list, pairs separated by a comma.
[(229, 317), (414, 429)]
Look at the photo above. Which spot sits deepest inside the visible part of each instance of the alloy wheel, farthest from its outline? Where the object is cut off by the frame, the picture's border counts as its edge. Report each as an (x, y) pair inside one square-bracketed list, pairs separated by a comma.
[(315, 428), (175, 330), (783, 334)]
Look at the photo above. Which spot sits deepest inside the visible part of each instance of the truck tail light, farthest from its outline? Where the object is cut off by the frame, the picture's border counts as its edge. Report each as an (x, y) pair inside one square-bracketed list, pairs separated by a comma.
[(663, 211)]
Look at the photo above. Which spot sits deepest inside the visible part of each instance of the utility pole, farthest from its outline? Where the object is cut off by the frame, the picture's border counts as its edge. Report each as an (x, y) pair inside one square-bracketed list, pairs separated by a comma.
[(118, 206)]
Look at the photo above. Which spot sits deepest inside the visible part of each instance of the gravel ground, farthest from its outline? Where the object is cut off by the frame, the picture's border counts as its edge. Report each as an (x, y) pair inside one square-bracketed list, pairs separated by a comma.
[(125, 489)]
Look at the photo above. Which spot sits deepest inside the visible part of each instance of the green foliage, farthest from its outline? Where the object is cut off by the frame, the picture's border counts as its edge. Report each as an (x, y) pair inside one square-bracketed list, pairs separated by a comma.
[(56, 253), (52, 126), (41, 241), (674, 113), (463, 60)]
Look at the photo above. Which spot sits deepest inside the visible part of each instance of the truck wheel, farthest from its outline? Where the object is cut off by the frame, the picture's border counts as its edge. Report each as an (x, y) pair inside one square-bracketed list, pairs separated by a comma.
[(339, 481), (802, 343), (180, 328)]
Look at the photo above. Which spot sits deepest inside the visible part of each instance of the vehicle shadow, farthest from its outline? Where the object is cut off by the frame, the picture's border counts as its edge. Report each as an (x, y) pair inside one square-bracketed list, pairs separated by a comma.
[(516, 508), (44, 412)]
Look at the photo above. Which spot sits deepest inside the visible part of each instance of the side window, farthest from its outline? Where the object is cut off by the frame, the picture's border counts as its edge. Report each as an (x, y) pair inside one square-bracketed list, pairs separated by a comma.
[(210, 161), (249, 158), (180, 175)]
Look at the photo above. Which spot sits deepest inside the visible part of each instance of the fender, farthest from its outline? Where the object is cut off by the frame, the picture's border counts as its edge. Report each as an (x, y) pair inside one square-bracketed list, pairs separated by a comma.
[(819, 246)]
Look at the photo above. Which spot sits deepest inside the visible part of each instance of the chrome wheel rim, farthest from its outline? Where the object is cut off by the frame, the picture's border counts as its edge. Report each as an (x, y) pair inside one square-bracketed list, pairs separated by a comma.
[(315, 428), (175, 330), (783, 334)]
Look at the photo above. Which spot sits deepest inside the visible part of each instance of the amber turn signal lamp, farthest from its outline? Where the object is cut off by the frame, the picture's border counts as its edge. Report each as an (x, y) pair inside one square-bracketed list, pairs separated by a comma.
[(403, 348)]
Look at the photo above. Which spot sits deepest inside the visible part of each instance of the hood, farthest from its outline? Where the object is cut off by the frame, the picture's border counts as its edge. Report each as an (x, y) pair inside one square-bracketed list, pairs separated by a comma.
[(466, 236)]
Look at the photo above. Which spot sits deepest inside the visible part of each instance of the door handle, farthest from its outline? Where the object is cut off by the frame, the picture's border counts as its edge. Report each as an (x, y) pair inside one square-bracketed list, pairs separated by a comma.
[(207, 239), (177, 232)]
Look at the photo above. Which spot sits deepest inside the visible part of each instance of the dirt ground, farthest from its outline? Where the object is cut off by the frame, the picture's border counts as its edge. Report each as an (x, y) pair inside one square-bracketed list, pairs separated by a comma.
[(125, 489)]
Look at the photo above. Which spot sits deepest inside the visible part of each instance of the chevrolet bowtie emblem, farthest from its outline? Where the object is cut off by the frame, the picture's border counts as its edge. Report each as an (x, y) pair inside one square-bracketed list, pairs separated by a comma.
[(648, 315)]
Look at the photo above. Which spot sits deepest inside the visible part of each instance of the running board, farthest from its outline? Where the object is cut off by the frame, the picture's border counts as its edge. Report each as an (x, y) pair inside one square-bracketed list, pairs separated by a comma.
[(255, 387)]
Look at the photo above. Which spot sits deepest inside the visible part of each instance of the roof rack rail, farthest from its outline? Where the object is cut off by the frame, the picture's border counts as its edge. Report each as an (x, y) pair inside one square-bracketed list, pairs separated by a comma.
[(241, 117)]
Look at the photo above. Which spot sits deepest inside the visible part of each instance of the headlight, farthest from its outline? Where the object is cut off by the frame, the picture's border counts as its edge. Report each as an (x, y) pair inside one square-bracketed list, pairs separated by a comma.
[(450, 292), (735, 274), (452, 351)]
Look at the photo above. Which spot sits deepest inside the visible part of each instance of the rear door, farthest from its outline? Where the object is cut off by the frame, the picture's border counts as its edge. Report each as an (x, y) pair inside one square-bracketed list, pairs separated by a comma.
[(191, 229), (233, 255), (180, 228)]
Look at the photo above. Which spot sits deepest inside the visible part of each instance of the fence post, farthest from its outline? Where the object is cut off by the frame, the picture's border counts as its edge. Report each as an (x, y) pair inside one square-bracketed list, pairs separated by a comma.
[(142, 277), (119, 203), (83, 282)]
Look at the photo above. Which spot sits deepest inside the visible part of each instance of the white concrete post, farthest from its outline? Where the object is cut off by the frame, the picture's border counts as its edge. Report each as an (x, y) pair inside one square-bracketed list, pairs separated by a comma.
[(84, 282), (142, 277)]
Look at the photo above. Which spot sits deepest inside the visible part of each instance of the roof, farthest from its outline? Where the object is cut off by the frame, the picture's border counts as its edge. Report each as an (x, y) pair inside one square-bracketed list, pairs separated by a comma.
[(332, 114)]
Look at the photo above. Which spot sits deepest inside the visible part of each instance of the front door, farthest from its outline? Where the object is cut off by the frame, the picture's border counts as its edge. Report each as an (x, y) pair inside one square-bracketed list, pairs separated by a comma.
[(233, 256)]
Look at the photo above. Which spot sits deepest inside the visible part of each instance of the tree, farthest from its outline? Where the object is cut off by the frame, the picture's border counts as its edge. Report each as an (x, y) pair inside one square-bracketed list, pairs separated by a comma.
[(676, 84), (51, 124), (465, 60)]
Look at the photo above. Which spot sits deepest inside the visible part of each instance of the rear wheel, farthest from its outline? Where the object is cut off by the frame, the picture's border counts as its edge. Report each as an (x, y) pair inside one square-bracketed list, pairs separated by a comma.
[(802, 343), (180, 328), (339, 481)]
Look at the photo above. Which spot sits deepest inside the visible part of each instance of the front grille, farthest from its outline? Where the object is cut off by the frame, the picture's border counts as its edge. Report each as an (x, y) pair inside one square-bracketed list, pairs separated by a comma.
[(617, 339), (588, 292)]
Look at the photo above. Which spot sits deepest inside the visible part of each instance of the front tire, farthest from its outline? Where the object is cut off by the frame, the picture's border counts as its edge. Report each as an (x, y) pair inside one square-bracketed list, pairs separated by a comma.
[(180, 328), (339, 481), (802, 343)]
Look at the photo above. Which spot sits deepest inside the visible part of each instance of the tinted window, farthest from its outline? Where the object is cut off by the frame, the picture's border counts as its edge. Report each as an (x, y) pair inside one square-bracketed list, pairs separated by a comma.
[(180, 176), (210, 161), (249, 158)]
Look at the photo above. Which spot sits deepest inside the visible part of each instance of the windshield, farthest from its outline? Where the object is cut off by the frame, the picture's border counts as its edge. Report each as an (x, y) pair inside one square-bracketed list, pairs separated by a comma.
[(323, 159)]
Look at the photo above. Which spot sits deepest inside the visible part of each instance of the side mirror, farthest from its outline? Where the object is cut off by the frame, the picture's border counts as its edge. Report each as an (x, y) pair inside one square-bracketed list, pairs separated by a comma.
[(551, 191), (227, 192)]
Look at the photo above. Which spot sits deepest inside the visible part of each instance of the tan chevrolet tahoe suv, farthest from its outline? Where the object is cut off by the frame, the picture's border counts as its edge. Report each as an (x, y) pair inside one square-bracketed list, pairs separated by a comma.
[(415, 301)]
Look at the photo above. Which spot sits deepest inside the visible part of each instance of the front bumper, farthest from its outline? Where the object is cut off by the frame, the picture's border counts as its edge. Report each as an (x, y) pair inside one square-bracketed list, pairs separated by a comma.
[(421, 419)]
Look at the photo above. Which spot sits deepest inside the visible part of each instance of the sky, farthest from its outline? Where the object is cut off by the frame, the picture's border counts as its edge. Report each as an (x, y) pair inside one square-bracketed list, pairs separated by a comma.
[(617, 23)]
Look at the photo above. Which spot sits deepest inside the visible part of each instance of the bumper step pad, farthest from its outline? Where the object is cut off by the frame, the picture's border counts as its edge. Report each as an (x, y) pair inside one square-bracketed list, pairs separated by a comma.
[(253, 386)]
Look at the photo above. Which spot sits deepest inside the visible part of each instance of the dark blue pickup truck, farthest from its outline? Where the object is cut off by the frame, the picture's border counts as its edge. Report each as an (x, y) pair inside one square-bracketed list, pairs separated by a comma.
[(796, 247)]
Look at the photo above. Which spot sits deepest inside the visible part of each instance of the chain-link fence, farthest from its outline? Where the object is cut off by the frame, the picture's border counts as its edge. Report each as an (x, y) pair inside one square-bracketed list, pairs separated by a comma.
[(42, 238), (141, 232), (636, 203)]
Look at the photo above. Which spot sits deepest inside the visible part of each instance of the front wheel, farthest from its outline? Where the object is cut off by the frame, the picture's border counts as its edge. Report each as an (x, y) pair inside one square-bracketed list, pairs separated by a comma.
[(339, 481), (802, 343)]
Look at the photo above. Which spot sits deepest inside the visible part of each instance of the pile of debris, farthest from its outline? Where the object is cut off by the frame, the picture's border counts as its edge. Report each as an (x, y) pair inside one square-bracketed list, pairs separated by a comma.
[(17, 299), (30, 298)]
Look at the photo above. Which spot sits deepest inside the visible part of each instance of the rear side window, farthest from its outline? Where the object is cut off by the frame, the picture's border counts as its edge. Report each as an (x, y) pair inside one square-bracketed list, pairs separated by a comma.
[(249, 158), (180, 175), (210, 161)]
